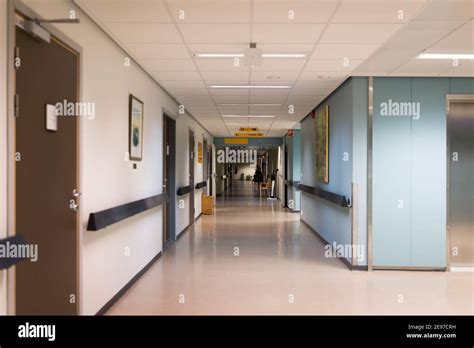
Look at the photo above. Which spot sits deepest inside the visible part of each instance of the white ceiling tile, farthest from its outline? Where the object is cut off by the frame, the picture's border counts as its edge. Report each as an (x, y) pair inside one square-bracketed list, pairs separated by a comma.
[(460, 40), (188, 91), (447, 10), (218, 48), (215, 33), (323, 76), (234, 110), (310, 91), (216, 64), (182, 84), (225, 77), (231, 99), (405, 45), (267, 98), (293, 11), (291, 33), (177, 76), (224, 92), (464, 68), (377, 11), (340, 51), (210, 11), (159, 51), (169, 64), (424, 67), (286, 47), (270, 92), (145, 32), (332, 64), (358, 33), (264, 110), (279, 64), (128, 11)]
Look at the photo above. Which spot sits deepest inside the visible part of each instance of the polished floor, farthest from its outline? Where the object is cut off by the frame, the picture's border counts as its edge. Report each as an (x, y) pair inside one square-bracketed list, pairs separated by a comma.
[(253, 257)]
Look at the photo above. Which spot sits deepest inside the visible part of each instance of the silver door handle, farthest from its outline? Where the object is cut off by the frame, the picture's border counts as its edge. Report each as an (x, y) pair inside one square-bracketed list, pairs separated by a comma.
[(76, 193)]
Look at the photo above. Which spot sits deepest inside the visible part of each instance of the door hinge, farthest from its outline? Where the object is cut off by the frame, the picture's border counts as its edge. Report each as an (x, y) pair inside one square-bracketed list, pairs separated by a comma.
[(16, 107), (167, 150)]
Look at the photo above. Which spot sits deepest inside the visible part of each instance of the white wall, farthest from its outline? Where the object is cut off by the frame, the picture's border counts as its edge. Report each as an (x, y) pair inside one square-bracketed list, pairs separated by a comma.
[(3, 145), (108, 179), (185, 123)]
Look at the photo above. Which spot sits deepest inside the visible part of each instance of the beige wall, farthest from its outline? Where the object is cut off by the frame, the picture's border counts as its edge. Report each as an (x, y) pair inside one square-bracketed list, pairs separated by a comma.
[(108, 179)]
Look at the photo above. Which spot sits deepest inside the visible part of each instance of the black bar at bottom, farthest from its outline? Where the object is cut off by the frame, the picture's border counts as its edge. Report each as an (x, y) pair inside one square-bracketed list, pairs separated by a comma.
[(270, 330)]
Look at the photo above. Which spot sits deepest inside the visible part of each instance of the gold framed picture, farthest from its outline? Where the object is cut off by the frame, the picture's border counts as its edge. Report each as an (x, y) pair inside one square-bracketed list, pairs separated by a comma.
[(135, 132), (322, 144)]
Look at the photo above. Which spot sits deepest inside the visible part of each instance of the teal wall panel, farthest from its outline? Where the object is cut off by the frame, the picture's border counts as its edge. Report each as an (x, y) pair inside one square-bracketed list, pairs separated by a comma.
[(391, 176), (331, 221), (428, 172), (419, 179)]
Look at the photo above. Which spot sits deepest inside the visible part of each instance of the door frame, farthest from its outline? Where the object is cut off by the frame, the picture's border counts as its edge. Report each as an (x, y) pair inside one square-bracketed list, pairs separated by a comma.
[(13, 7), (171, 183), (449, 99), (191, 159)]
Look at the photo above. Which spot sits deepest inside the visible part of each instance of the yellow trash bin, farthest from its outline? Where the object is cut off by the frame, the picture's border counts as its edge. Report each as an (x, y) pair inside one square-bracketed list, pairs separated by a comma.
[(207, 205)]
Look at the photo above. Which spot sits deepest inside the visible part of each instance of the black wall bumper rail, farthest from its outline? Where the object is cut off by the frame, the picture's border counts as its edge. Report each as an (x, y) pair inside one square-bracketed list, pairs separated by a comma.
[(6, 261), (183, 190), (201, 184), (329, 196), (104, 218)]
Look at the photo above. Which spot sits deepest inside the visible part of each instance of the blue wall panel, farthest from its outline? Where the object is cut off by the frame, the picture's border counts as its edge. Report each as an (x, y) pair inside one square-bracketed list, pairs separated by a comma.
[(391, 176), (428, 171), (329, 220)]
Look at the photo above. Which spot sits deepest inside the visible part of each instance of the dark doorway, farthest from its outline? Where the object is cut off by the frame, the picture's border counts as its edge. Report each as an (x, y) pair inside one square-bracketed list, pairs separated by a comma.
[(285, 178), (169, 180), (191, 177), (46, 177)]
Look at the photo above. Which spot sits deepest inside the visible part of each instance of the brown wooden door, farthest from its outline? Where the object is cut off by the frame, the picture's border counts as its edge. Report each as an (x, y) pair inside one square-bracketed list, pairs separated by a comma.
[(46, 177), (166, 175), (191, 177)]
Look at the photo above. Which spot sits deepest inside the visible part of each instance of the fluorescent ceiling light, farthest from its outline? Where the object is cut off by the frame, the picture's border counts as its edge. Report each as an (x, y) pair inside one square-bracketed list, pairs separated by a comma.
[(219, 55), (283, 55), (249, 116), (444, 56), (242, 55), (247, 104), (251, 86)]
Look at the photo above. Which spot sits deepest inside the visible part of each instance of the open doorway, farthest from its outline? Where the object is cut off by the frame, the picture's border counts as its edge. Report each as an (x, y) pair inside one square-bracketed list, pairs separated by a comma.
[(169, 180), (191, 177)]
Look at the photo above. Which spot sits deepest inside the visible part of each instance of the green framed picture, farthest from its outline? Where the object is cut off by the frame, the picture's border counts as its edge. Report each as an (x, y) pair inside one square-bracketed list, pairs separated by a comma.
[(322, 144)]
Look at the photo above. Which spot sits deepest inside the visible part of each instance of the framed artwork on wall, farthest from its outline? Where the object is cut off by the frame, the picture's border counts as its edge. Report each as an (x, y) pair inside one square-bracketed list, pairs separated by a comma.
[(135, 131), (322, 144), (199, 159)]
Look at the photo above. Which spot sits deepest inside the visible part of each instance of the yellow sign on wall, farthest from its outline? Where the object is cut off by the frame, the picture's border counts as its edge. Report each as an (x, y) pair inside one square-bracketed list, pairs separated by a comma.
[(248, 129), (250, 135), (199, 152), (236, 141)]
